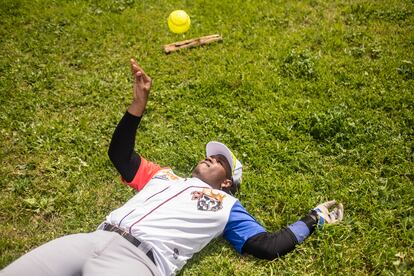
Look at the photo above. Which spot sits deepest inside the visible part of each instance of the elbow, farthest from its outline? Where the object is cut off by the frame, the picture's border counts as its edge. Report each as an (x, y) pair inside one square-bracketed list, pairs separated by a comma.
[(111, 154), (270, 246), (274, 254), (114, 155), (268, 254)]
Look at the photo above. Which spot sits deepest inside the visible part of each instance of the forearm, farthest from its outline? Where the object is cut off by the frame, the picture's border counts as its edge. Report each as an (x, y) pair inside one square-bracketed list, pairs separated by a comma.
[(272, 245), (121, 150), (136, 108)]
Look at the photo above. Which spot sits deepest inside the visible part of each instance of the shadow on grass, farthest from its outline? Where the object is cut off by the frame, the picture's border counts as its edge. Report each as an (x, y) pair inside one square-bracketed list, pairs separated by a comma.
[(217, 250)]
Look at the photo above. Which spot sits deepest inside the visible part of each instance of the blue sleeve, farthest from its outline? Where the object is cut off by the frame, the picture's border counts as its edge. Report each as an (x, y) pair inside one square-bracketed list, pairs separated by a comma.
[(240, 227), (300, 230)]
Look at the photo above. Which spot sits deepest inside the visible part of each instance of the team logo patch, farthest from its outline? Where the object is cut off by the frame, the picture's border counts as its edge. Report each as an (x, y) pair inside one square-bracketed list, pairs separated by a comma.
[(207, 200), (161, 177), (167, 175)]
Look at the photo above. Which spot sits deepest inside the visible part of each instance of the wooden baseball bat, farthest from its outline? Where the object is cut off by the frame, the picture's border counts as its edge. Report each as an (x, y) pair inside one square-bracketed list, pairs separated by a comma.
[(168, 48)]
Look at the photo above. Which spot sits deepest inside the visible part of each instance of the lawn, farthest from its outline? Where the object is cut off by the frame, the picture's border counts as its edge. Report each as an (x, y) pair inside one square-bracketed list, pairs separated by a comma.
[(315, 98)]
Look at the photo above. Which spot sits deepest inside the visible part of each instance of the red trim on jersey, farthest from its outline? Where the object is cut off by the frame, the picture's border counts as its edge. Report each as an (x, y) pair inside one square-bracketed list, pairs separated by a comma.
[(119, 224), (156, 194), (144, 174)]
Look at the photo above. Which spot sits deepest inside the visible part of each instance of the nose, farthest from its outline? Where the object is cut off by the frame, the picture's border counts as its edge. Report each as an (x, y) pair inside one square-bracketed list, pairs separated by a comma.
[(211, 159)]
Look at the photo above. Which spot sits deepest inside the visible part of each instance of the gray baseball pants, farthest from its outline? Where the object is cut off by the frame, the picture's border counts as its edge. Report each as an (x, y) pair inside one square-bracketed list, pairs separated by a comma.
[(97, 253)]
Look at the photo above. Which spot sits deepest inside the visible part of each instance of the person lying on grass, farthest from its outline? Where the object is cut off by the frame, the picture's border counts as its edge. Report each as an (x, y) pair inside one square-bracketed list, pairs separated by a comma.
[(170, 218)]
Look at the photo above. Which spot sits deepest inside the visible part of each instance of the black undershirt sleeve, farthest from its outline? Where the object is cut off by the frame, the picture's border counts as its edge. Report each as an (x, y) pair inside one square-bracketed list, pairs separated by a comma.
[(121, 150), (272, 245)]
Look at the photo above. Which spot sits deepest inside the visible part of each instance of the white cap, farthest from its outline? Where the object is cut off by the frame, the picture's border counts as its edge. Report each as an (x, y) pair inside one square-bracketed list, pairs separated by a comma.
[(214, 148)]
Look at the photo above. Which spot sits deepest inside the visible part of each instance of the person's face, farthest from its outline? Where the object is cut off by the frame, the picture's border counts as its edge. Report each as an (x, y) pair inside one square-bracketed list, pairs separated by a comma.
[(215, 171)]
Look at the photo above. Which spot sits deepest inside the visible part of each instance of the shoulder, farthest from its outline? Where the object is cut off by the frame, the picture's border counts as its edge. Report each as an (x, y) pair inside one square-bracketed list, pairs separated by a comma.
[(241, 226)]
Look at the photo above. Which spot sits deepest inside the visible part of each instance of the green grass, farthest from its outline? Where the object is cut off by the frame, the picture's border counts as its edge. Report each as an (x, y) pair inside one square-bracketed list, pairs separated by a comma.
[(315, 97)]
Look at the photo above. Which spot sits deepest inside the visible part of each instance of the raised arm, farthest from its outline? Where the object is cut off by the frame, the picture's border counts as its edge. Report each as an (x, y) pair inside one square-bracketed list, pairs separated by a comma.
[(121, 150)]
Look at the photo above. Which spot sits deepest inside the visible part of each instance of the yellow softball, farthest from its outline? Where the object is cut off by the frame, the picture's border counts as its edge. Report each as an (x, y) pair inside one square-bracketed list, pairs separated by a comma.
[(179, 22)]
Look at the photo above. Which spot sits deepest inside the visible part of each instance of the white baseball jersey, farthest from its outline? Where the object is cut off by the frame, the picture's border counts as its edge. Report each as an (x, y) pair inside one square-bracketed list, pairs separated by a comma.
[(176, 217)]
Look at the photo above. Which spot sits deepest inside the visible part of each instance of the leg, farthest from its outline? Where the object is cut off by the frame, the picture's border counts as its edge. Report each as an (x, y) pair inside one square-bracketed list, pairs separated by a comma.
[(62, 256), (121, 258)]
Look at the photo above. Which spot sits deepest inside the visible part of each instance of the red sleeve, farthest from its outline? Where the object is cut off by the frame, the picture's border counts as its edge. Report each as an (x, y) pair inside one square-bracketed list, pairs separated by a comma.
[(144, 174)]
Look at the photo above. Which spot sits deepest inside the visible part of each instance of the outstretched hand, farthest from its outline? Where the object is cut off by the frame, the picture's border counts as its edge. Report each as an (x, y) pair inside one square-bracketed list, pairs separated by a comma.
[(142, 86), (326, 216)]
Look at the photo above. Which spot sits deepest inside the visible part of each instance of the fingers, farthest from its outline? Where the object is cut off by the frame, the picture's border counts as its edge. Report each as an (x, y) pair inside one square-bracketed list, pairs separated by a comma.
[(139, 74), (329, 204), (340, 212), (337, 214), (137, 70), (133, 63), (146, 78), (328, 217)]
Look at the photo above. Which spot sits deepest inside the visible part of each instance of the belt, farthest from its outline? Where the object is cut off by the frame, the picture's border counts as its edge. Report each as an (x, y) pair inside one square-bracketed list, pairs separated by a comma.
[(128, 237)]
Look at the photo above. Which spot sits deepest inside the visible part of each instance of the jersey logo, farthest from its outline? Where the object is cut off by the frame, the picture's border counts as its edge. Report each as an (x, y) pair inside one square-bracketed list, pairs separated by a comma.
[(208, 200), (167, 175)]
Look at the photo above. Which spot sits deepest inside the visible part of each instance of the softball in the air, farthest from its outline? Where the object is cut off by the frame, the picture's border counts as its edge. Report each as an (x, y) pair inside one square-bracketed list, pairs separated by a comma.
[(179, 22)]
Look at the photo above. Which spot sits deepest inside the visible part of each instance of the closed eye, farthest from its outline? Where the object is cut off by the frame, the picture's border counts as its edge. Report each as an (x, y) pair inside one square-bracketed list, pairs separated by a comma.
[(220, 162)]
